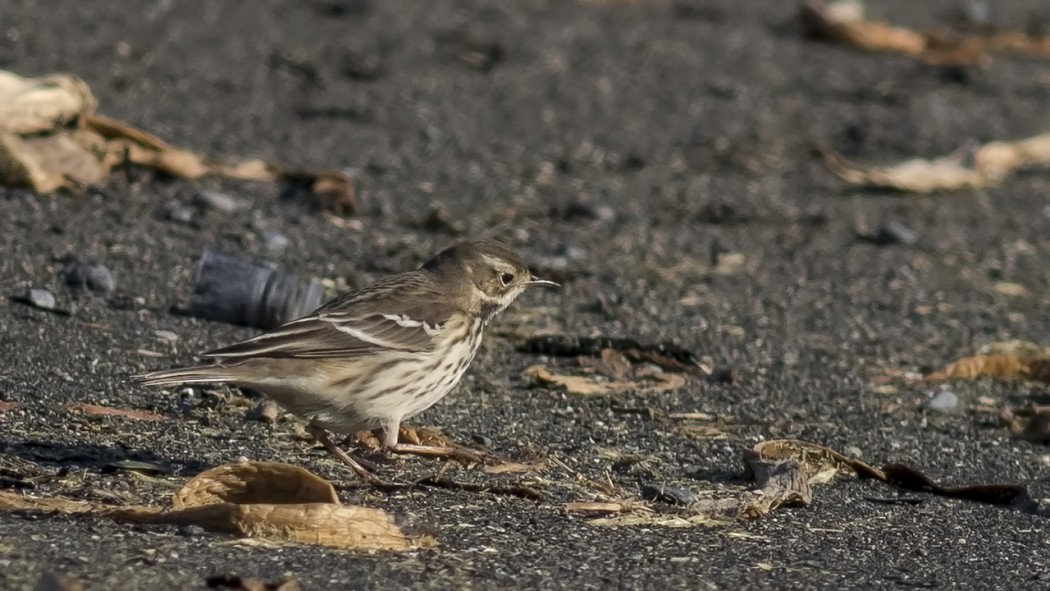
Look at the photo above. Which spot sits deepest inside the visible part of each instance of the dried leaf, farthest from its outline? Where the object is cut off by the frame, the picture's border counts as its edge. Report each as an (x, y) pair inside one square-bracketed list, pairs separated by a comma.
[(1009, 367), (844, 23), (266, 500), (246, 483), (33, 105), (588, 386), (59, 155), (6, 406), (127, 413), (983, 166)]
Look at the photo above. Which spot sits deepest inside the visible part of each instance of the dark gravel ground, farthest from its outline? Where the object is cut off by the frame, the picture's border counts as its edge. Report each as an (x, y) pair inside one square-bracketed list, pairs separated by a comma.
[(618, 147)]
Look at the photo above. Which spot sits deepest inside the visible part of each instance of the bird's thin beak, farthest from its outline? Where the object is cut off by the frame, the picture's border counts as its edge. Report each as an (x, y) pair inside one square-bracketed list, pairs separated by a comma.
[(537, 282)]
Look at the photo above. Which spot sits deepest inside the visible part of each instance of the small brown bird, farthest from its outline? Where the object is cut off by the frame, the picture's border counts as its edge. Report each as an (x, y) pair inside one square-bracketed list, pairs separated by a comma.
[(376, 356)]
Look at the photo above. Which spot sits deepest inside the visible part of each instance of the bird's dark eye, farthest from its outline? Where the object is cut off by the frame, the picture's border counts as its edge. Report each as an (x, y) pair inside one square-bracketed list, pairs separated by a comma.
[(506, 278)]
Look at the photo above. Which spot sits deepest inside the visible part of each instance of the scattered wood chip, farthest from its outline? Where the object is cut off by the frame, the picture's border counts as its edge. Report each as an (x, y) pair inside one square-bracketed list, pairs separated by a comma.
[(252, 499), (127, 413), (51, 139), (1010, 367), (844, 23)]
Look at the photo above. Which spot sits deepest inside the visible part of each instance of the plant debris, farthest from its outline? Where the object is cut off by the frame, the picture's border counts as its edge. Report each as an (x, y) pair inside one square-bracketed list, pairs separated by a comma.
[(590, 385), (51, 139), (1010, 367), (782, 473), (844, 23), (668, 356), (252, 499), (1030, 423), (969, 168)]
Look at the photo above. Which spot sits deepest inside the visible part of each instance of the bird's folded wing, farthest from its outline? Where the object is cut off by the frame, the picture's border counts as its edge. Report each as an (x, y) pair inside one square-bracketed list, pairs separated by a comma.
[(337, 335)]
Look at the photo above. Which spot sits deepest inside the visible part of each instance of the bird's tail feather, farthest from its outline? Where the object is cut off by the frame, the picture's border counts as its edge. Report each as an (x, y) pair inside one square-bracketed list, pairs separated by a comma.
[(184, 375)]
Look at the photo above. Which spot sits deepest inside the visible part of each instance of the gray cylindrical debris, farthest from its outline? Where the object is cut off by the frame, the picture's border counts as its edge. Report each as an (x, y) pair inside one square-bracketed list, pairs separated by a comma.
[(249, 293)]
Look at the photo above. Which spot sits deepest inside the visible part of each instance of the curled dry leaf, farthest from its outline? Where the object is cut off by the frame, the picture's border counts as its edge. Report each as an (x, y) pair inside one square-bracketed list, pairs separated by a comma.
[(981, 166), (844, 23), (51, 139), (253, 499), (1010, 367)]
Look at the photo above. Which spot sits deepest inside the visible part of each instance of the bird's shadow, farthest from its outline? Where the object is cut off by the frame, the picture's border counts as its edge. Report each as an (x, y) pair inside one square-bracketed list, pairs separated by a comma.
[(96, 458)]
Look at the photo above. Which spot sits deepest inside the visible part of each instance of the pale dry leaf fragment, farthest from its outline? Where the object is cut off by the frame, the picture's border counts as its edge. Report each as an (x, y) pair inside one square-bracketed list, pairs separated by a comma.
[(983, 166), (844, 23), (33, 105)]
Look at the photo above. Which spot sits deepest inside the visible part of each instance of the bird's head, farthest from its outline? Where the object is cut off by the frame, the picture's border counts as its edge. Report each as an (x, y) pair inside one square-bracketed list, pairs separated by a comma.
[(488, 274)]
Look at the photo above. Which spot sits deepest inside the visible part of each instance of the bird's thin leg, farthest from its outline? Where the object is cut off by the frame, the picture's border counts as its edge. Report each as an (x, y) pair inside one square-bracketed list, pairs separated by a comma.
[(394, 434), (322, 437)]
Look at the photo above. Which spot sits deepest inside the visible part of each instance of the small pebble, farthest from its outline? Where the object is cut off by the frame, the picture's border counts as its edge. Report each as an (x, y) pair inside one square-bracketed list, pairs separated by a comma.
[(218, 201), (166, 335), (943, 401), (191, 531), (179, 213), (667, 493), (274, 242), (891, 233), (481, 440), (93, 275), (40, 298)]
